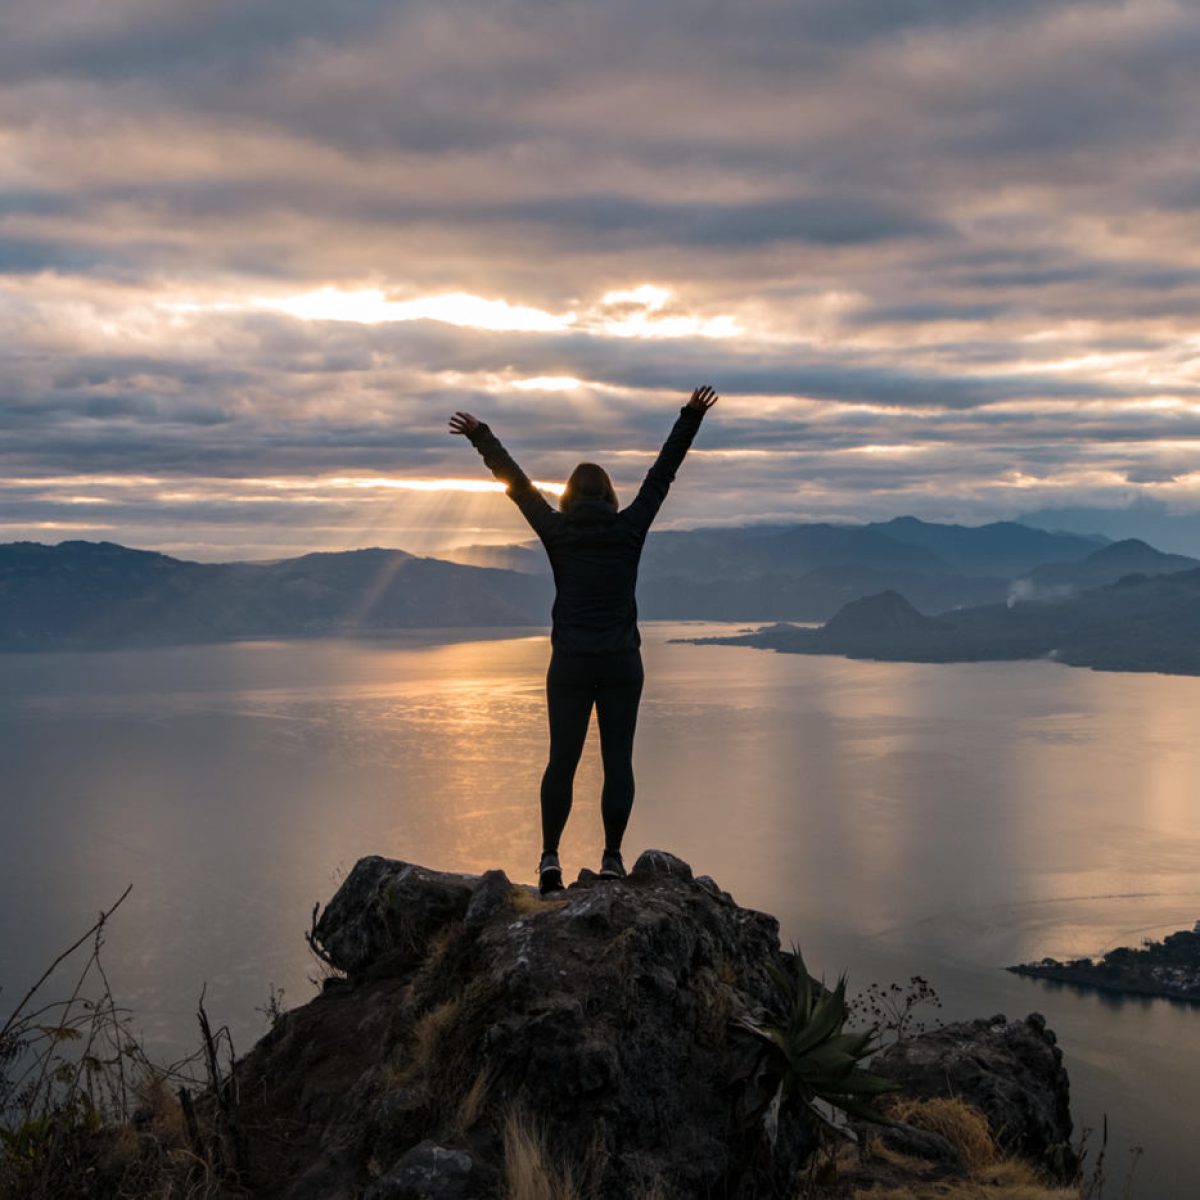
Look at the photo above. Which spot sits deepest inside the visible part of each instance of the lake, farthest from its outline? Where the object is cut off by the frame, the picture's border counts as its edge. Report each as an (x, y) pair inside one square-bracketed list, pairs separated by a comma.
[(899, 819)]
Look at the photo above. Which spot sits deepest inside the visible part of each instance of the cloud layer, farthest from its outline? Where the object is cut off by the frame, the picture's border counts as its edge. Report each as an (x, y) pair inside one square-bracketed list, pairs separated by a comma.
[(939, 256)]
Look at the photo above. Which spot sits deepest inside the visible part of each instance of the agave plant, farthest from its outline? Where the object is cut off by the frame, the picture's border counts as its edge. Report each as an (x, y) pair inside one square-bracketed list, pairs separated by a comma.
[(818, 1059)]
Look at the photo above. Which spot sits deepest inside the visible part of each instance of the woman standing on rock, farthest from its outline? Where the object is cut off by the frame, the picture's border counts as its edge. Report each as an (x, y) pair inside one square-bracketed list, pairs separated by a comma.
[(594, 548)]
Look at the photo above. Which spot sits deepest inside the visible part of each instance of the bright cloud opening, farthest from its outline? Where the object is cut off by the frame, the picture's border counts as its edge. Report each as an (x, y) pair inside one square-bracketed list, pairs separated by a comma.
[(370, 306), (433, 485), (547, 383)]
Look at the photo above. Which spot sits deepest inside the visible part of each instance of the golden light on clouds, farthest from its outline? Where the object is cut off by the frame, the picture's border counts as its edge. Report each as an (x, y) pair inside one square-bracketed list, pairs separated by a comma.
[(433, 485), (547, 383), (370, 306), (644, 311)]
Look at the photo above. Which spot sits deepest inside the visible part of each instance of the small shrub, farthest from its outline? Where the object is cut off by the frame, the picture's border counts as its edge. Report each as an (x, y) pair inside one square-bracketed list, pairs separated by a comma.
[(819, 1060), (82, 1107), (893, 1010)]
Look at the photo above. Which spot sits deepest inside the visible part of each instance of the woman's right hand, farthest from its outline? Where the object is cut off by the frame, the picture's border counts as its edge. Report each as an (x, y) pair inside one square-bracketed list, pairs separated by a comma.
[(703, 398), (463, 423)]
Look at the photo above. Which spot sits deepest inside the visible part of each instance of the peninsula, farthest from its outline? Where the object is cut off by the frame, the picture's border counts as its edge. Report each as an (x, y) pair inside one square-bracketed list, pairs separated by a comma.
[(1169, 968)]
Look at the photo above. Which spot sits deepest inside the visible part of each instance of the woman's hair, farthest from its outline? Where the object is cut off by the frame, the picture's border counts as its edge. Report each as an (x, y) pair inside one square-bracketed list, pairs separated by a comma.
[(588, 482)]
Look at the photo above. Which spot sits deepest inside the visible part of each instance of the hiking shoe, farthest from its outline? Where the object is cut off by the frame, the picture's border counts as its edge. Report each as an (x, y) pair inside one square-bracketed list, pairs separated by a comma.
[(549, 874), (611, 866)]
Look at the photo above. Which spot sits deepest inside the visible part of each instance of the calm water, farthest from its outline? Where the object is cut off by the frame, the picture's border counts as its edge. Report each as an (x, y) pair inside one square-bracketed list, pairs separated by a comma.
[(944, 820)]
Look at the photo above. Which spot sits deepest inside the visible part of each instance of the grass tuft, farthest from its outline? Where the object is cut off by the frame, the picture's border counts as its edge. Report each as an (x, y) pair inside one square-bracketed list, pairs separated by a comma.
[(471, 1105), (526, 902), (964, 1127), (530, 1172)]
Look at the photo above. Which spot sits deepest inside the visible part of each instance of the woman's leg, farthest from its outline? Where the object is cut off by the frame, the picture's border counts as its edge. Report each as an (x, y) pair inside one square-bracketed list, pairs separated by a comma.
[(617, 698), (569, 693)]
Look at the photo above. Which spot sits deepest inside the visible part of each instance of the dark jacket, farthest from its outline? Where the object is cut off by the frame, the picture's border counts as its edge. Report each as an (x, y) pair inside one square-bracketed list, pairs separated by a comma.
[(593, 550)]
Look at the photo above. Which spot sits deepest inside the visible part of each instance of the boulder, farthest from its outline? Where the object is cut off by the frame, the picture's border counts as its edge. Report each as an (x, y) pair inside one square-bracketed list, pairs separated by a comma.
[(1012, 1071), (426, 1172), (601, 1021), (385, 913)]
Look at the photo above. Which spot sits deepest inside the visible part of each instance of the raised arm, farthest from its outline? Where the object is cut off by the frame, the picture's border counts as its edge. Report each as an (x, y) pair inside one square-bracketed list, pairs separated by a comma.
[(661, 475), (520, 488)]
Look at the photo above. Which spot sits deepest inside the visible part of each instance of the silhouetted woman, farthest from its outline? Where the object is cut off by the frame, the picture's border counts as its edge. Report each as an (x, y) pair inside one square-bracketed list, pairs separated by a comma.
[(594, 548)]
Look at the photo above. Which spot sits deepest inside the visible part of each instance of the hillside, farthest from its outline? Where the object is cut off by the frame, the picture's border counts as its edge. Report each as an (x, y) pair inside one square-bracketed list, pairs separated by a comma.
[(1108, 564), (97, 594), (642, 1039), (1136, 624), (806, 572), (1001, 548), (87, 594)]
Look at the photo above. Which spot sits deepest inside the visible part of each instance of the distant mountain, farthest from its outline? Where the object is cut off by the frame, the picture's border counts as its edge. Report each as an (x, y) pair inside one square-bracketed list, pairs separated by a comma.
[(813, 596), (87, 594), (528, 558), (807, 572), (1136, 624), (101, 594), (778, 550), (1107, 565), (885, 613), (1002, 548), (1151, 520)]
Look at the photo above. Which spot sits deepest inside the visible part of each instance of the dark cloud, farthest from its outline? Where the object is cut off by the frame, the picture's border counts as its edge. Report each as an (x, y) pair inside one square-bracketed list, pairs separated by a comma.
[(955, 239)]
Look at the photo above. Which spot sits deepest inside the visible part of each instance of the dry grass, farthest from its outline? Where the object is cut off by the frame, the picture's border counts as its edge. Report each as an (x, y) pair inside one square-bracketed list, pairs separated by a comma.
[(1019, 1184), (717, 1003), (159, 1108), (525, 902), (83, 1109), (422, 1052), (438, 950), (964, 1127), (471, 1105), (530, 1172), (656, 1191), (990, 1175)]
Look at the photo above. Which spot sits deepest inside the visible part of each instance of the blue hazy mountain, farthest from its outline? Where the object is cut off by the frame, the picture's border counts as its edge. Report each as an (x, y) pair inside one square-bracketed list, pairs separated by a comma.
[(1003, 548), (1139, 623), (1110, 563), (1151, 520), (102, 594), (807, 572)]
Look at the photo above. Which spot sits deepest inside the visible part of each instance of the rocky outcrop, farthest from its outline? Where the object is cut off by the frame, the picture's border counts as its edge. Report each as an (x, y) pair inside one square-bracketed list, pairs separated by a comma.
[(1011, 1071), (601, 1020), (480, 1031)]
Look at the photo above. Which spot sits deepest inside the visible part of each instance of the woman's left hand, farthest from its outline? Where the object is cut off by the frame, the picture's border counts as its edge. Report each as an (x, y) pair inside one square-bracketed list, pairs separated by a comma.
[(703, 398), (463, 423)]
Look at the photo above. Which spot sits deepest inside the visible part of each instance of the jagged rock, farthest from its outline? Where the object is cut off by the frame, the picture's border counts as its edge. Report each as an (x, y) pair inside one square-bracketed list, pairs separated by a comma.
[(608, 1020), (487, 899), (602, 1015), (427, 1172), (1010, 1070), (385, 913)]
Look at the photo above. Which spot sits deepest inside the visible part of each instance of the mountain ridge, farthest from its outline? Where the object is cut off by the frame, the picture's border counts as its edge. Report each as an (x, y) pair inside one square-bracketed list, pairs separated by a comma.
[(1139, 623), (80, 594)]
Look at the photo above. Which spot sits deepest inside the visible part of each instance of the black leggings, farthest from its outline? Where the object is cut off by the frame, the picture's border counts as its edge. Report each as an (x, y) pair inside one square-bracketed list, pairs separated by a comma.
[(574, 682)]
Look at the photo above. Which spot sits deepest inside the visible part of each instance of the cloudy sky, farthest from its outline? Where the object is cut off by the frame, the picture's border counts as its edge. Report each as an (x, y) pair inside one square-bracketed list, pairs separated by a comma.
[(938, 257)]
